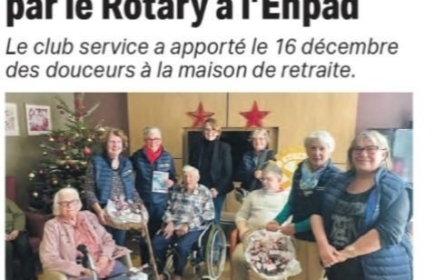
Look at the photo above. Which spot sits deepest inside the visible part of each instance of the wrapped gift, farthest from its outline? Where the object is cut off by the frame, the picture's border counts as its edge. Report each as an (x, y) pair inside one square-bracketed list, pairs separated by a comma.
[(271, 255), (125, 216)]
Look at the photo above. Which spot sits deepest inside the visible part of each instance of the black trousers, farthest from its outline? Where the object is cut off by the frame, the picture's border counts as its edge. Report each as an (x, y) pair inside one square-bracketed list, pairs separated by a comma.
[(20, 248)]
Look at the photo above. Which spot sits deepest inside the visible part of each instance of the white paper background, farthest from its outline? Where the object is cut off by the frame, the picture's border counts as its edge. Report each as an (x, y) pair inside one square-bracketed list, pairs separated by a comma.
[(408, 22)]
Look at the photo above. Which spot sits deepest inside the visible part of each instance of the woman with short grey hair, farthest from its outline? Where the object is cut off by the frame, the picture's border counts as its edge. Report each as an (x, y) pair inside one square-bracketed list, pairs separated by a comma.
[(153, 163), (309, 181)]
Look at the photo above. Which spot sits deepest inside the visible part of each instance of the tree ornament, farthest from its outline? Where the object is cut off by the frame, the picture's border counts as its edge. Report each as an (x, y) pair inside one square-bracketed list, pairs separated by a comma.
[(31, 175)]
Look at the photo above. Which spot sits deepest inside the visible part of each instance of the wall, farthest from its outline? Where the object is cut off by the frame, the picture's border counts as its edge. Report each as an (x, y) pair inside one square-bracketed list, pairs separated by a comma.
[(112, 110), (384, 110), (23, 152), (295, 114)]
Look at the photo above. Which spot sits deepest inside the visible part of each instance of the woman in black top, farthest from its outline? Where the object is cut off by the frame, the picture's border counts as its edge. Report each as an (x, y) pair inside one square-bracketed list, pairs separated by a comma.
[(213, 160)]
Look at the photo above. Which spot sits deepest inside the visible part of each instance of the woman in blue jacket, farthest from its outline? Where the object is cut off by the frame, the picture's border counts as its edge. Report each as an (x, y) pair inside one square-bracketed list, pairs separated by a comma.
[(249, 170), (155, 175), (110, 176), (361, 228)]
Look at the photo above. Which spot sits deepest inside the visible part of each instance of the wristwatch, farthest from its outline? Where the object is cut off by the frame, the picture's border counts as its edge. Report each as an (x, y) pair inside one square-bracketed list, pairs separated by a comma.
[(351, 251)]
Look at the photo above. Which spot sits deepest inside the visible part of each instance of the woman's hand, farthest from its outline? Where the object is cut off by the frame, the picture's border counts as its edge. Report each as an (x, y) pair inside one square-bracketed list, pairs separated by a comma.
[(168, 183), (169, 230), (102, 262), (272, 226), (101, 214), (13, 235), (86, 272), (258, 174), (288, 229), (214, 192), (328, 255)]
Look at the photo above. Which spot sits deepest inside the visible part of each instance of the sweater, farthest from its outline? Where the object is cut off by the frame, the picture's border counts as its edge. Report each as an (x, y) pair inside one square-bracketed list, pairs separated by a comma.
[(260, 207), (15, 219)]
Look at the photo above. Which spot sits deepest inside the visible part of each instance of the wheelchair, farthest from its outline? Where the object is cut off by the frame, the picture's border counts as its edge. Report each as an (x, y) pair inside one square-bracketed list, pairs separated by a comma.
[(207, 257)]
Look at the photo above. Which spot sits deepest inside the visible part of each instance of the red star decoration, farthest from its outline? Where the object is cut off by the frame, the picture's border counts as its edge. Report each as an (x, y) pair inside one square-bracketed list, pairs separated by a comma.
[(200, 115), (255, 116)]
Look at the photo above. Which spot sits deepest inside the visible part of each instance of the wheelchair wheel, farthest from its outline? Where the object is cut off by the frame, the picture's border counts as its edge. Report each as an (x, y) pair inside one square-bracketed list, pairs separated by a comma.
[(215, 253)]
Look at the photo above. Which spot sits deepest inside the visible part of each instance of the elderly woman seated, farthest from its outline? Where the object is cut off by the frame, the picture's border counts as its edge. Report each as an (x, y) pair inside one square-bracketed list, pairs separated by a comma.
[(258, 208), (190, 208), (70, 229)]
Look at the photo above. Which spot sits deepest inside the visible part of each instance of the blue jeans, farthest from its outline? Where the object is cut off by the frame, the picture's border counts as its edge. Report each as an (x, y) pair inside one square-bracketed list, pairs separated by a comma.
[(182, 249), (218, 205), (118, 235)]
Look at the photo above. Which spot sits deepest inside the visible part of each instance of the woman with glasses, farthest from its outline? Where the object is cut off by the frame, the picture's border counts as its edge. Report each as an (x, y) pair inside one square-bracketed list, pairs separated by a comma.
[(361, 227), (66, 231), (249, 171), (110, 176), (309, 181), (155, 176), (213, 160)]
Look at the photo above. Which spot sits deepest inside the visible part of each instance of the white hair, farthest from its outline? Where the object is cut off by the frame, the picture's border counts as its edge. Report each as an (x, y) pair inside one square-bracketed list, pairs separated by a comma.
[(67, 190), (191, 169), (149, 129), (273, 168), (323, 136)]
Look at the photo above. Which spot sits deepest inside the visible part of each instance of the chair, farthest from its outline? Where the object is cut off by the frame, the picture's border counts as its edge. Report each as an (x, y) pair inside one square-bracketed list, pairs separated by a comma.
[(55, 275), (34, 225), (210, 249)]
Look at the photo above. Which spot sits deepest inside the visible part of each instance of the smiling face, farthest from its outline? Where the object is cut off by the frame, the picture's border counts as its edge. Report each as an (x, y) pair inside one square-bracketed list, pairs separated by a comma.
[(190, 179), (318, 153), (114, 145), (210, 132), (68, 204), (366, 156), (259, 143), (153, 140)]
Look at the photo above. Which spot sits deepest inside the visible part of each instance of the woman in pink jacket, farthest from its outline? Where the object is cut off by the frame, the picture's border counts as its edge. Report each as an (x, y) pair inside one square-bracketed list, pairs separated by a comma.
[(71, 228)]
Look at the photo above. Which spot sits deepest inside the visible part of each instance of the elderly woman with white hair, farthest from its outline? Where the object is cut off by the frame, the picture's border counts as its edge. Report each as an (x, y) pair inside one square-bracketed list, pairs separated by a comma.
[(155, 175), (309, 181), (70, 228), (249, 171), (190, 210)]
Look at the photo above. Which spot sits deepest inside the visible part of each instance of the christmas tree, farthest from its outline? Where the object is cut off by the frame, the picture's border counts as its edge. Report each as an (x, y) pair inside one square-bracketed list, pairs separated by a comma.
[(65, 155)]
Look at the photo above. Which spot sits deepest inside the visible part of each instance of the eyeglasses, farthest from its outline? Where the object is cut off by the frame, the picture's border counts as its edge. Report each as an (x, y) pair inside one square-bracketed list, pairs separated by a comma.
[(152, 139), (371, 150), (68, 203)]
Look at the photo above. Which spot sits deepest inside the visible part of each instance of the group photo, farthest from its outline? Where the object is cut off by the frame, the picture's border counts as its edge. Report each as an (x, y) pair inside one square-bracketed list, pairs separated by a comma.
[(255, 185)]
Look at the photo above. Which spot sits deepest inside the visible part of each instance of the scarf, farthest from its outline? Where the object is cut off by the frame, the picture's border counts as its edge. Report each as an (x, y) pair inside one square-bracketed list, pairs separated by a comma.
[(151, 155), (309, 179)]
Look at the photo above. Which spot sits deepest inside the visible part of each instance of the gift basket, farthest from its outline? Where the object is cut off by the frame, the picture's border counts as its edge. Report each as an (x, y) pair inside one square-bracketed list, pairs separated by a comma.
[(271, 255), (124, 215)]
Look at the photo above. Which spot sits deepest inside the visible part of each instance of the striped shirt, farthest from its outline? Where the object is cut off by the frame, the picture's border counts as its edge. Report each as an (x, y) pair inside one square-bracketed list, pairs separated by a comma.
[(194, 208)]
